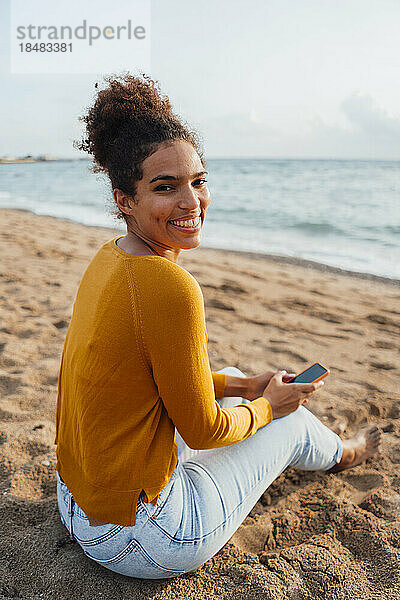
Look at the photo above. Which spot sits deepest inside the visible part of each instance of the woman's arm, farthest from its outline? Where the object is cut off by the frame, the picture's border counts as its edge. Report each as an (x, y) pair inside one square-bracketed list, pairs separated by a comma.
[(229, 385), (174, 344), (236, 386), (250, 387)]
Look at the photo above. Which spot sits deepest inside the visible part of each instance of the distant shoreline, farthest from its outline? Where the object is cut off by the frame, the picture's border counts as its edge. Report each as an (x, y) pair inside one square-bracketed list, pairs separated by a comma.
[(26, 159), (274, 258), (36, 159)]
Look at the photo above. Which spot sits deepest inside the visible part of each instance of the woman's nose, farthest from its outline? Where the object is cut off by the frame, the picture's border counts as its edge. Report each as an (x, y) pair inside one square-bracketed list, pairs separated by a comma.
[(189, 198)]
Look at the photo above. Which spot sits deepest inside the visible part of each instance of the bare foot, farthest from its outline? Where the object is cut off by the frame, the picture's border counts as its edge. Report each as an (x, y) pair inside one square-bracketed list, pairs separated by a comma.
[(338, 427), (360, 447)]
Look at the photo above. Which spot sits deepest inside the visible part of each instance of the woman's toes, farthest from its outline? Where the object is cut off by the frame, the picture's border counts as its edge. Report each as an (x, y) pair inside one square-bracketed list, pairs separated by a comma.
[(373, 433), (372, 429), (338, 427)]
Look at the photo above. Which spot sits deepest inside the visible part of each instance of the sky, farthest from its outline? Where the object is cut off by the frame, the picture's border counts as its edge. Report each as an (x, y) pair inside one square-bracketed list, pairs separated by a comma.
[(260, 78)]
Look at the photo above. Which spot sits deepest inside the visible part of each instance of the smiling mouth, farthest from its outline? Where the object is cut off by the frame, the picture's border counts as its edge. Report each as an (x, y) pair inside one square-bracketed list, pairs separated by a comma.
[(188, 225)]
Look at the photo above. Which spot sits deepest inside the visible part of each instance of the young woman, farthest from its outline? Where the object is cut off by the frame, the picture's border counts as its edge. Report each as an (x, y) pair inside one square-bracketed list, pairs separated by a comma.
[(153, 474)]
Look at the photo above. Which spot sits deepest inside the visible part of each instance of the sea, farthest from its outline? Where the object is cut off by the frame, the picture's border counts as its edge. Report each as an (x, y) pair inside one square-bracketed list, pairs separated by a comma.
[(342, 213)]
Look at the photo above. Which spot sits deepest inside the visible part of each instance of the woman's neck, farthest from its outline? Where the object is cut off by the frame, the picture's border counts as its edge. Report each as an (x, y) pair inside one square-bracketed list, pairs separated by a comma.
[(132, 244)]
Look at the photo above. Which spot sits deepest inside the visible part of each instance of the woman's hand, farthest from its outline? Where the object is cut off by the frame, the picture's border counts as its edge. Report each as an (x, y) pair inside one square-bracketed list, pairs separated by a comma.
[(285, 398), (257, 384)]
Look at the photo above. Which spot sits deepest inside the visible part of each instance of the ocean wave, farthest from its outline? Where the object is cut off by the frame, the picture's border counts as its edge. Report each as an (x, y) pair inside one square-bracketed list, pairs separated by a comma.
[(321, 228)]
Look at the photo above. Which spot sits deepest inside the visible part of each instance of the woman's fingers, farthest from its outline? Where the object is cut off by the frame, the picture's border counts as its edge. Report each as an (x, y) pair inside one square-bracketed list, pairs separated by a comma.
[(308, 388), (288, 377)]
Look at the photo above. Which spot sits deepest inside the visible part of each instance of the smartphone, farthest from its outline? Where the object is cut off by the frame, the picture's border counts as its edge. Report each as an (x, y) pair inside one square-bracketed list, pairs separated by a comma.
[(310, 375)]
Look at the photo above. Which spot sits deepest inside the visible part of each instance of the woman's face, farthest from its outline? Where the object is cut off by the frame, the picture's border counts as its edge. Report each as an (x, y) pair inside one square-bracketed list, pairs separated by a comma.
[(171, 199)]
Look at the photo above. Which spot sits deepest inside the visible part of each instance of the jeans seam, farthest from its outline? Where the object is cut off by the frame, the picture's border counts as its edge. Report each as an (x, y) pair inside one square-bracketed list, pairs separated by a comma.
[(188, 462), (127, 550), (147, 556), (104, 538)]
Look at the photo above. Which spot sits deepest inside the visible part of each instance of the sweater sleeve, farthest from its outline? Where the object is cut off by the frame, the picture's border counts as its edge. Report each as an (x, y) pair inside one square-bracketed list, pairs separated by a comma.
[(174, 339), (219, 381)]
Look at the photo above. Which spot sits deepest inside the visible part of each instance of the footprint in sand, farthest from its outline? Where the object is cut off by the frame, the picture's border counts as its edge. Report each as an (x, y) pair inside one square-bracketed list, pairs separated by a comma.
[(365, 481), (352, 415), (383, 504)]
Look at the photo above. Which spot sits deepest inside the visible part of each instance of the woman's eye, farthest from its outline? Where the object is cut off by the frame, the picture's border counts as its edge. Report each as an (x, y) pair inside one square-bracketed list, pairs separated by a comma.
[(163, 188), (166, 188)]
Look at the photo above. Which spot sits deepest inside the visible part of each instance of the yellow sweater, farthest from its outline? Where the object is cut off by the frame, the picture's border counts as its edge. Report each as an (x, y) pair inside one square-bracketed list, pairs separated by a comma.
[(135, 366)]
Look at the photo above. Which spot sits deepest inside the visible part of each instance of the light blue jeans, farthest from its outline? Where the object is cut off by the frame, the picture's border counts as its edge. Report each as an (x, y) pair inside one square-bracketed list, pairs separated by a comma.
[(208, 496)]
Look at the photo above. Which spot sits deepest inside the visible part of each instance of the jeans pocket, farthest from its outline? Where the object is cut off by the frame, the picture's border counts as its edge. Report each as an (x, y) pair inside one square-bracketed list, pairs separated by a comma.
[(134, 561), (89, 536)]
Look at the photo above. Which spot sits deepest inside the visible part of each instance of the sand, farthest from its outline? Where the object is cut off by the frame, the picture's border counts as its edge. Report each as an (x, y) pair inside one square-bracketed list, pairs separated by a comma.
[(311, 535)]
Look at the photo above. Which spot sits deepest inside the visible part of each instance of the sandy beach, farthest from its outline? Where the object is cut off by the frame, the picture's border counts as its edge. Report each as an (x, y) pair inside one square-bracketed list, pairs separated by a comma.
[(310, 535)]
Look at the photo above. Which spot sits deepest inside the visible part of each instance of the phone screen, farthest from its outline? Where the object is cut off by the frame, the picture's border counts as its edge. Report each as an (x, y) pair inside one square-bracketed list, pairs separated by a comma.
[(309, 375)]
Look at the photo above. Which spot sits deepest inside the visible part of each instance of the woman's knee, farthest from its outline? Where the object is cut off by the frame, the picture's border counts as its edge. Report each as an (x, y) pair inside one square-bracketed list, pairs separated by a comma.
[(234, 371), (298, 424), (302, 419)]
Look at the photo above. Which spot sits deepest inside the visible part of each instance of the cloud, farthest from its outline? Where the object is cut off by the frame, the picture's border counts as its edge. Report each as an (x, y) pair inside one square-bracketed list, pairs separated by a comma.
[(364, 116), (237, 134), (371, 134)]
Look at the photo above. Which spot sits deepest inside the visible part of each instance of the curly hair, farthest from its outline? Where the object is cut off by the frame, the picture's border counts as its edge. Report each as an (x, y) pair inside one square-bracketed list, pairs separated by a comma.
[(127, 122)]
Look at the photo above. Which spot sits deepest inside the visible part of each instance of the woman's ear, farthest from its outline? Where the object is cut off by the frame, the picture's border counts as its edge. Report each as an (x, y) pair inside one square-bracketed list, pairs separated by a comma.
[(123, 201)]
